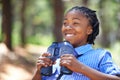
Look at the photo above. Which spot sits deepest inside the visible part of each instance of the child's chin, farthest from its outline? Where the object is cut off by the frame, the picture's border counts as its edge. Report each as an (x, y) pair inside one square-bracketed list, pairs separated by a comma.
[(70, 42)]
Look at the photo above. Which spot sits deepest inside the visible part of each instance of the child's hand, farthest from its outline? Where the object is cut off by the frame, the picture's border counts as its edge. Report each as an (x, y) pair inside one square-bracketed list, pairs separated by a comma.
[(69, 61), (44, 61)]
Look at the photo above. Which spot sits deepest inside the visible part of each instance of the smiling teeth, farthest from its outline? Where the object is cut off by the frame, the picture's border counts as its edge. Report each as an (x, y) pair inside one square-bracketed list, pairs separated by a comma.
[(69, 35)]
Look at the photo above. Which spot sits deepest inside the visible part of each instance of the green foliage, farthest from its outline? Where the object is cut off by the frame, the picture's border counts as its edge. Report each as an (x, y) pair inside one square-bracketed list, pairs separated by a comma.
[(39, 21), (110, 14), (40, 14), (16, 40), (43, 40)]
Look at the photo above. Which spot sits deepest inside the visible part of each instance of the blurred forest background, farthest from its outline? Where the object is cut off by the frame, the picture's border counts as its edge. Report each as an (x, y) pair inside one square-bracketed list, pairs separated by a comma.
[(28, 27)]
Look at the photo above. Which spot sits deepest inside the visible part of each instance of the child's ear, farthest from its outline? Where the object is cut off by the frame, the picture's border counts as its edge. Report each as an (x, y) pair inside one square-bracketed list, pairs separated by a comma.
[(89, 31)]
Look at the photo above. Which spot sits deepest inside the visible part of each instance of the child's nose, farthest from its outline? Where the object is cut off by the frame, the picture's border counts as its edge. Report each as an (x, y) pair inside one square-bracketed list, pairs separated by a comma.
[(69, 27)]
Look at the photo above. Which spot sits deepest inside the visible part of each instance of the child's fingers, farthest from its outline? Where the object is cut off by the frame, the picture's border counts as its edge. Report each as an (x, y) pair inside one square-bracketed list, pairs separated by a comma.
[(46, 54)]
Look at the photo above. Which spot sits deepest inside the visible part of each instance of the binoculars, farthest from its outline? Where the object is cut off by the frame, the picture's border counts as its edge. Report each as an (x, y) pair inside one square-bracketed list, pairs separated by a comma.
[(56, 50)]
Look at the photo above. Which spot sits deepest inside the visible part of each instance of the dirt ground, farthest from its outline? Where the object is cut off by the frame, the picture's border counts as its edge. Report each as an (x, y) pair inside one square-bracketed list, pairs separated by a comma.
[(12, 72), (20, 63)]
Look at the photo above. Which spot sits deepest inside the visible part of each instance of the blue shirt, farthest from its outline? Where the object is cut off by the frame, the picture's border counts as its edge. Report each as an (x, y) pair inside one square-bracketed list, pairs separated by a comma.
[(98, 59)]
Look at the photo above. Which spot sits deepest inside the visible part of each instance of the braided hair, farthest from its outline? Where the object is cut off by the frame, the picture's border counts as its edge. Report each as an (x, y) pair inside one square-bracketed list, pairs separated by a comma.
[(93, 20)]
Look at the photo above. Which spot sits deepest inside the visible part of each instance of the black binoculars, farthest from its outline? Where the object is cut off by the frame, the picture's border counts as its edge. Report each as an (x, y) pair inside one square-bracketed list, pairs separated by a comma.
[(56, 50)]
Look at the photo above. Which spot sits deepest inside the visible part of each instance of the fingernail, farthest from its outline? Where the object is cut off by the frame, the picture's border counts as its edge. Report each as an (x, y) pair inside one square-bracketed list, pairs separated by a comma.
[(45, 65)]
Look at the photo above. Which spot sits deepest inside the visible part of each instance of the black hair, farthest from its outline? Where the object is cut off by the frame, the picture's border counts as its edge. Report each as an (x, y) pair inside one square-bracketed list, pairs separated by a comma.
[(91, 15)]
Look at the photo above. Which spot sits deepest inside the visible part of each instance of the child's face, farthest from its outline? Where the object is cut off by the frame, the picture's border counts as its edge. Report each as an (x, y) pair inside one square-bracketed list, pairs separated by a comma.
[(76, 28)]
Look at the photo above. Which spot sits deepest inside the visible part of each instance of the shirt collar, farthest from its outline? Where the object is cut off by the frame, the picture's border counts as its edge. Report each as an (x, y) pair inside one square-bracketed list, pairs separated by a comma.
[(82, 49)]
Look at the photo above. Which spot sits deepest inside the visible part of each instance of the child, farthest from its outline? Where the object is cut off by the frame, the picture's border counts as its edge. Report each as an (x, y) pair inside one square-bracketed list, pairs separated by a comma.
[(80, 28)]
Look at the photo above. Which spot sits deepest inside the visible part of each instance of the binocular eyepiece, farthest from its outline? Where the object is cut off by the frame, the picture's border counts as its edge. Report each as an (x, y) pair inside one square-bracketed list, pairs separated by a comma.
[(56, 50)]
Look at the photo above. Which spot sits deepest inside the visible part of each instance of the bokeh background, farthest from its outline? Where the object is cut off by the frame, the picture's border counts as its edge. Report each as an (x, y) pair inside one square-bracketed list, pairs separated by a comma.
[(28, 27)]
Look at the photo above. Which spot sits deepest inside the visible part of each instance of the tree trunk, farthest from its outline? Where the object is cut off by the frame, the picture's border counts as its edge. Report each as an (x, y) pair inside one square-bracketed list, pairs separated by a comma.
[(23, 22), (58, 12), (7, 23)]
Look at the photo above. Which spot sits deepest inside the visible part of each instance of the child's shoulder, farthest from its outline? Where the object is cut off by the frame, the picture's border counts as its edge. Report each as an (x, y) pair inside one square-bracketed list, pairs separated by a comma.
[(102, 52)]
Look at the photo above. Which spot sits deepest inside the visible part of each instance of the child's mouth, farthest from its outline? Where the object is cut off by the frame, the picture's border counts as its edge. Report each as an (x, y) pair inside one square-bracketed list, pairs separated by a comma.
[(69, 35)]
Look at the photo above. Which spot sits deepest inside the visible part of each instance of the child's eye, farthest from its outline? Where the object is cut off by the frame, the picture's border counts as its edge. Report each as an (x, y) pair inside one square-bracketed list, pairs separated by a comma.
[(65, 23), (75, 23)]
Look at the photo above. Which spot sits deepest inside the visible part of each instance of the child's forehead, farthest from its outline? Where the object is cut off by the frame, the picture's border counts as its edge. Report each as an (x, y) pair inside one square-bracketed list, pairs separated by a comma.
[(74, 13)]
